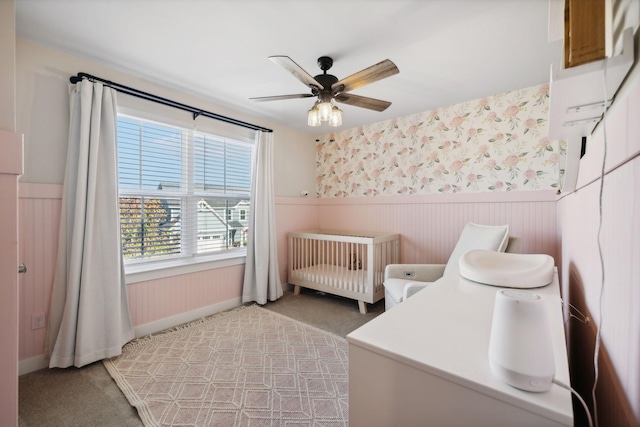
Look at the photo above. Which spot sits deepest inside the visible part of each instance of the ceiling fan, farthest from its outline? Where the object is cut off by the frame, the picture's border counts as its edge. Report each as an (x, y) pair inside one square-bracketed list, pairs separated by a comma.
[(327, 87)]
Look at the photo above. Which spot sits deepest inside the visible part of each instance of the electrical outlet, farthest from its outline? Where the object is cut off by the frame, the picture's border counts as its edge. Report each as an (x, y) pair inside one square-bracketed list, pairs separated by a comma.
[(37, 321)]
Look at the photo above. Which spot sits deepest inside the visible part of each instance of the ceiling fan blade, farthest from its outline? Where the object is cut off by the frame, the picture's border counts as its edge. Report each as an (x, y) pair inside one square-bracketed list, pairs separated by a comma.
[(372, 74), (279, 97), (297, 71), (363, 101)]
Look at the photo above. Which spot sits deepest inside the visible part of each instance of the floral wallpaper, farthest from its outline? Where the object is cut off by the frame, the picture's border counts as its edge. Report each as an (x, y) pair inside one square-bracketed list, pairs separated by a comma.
[(497, 143)]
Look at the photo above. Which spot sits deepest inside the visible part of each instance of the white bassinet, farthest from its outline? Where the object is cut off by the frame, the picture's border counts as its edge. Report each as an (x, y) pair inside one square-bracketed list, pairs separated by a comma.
[(345, 263)]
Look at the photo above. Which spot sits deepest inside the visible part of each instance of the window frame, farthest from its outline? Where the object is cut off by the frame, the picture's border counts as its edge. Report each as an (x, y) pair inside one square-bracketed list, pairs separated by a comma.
[(137, 270)]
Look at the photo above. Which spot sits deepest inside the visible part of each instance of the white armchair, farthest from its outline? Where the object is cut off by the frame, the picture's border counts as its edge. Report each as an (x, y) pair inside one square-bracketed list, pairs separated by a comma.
[(403, 280)]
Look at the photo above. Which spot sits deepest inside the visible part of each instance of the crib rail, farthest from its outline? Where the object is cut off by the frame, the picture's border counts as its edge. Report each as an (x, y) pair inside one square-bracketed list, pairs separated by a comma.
[(349, 264)]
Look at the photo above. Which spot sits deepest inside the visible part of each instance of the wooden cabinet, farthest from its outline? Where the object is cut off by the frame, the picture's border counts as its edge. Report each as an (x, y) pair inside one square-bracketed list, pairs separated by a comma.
[(584, 32)]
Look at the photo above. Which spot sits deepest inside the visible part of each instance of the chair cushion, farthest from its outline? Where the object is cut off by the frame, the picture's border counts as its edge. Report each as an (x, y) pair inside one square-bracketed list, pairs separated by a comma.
[(477, 236)]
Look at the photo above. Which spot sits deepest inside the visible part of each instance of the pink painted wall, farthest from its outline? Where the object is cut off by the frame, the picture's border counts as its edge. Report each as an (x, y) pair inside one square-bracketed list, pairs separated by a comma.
[(618, 393), (430, 225), (293, 214), (154, 300), (39, 207)]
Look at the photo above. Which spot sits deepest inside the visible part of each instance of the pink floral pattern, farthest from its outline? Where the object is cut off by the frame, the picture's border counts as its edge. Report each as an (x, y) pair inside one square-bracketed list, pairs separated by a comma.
[(497, 143)]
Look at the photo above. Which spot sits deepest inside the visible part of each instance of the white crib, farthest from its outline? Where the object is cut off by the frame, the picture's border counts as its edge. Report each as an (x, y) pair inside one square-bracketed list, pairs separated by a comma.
[(345, 263)]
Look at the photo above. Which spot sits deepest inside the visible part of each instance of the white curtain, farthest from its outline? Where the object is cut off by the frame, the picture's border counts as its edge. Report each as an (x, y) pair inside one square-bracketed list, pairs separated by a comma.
[(89, 316), (261, 275)]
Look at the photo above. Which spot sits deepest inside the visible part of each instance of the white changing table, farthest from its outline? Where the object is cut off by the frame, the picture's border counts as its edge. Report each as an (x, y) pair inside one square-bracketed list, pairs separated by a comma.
[(425, 363)]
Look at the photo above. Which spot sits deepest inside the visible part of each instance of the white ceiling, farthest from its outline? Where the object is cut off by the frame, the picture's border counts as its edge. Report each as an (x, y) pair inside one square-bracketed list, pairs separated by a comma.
[(448, 51)]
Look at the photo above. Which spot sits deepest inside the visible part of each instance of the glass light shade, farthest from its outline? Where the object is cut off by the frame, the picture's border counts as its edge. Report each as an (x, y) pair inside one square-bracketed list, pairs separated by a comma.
[(336, 117), (324, 109), (313, 119)]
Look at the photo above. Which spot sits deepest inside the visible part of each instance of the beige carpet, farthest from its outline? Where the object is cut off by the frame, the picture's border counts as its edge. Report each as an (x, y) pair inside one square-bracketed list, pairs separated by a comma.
[(245, 367)]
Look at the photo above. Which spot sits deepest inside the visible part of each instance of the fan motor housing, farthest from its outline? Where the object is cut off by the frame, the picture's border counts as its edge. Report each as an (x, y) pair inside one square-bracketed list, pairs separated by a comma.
[(326, 80)]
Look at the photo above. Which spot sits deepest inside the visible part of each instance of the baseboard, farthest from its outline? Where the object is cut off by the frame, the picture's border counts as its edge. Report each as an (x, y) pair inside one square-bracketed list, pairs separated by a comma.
[(32, 364), (287, 287), (179, 319), (40, 362)]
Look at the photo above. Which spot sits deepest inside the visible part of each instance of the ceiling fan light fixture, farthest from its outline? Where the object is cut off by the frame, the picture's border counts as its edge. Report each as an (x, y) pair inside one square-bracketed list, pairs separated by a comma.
[(324, 110), (315, 114), (313, 117), (336, 117)]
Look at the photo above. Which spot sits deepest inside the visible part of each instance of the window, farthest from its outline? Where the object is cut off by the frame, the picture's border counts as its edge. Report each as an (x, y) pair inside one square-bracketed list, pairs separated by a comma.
[(178, 189)]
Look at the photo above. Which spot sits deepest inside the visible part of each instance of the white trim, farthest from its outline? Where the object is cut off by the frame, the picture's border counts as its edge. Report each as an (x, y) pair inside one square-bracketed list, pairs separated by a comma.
[(34, 190), (480, 197), (143, 272), (189, 316), (32, 364)]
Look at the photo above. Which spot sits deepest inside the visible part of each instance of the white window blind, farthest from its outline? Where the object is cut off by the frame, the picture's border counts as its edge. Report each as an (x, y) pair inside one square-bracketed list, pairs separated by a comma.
[(181, 191)]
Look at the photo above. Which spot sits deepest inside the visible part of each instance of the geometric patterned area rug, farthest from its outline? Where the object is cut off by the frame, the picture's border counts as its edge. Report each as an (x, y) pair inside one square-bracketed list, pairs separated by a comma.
[(245, 367)]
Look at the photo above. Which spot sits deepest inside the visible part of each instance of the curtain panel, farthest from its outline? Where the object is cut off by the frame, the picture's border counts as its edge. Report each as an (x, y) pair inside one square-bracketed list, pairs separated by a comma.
[(261, 275), (89, 315)]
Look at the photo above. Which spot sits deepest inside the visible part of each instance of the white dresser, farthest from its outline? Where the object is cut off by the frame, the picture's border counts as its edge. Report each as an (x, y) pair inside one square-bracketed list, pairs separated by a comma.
[(425, 363)]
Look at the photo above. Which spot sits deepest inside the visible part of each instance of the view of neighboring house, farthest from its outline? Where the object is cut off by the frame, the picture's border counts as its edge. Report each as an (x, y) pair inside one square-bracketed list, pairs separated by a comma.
[(155, 226), (222, 224)]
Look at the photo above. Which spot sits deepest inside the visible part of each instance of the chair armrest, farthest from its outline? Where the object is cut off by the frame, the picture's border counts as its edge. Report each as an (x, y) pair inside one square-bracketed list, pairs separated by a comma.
[(412, 288), (415, 272)]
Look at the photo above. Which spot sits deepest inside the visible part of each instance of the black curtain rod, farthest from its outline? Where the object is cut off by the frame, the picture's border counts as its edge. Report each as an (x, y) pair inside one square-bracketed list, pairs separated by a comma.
[(164, 101)]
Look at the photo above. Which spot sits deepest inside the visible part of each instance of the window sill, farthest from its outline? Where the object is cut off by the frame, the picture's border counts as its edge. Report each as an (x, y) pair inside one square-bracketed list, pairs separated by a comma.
[(143, 272)]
